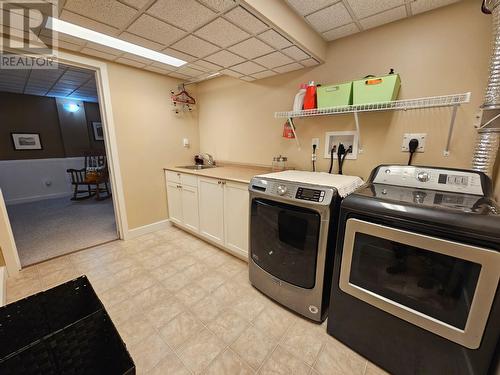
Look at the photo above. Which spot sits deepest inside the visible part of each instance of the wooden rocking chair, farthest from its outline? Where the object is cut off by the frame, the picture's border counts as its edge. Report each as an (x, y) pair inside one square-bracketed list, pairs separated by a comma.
[(94, 178)]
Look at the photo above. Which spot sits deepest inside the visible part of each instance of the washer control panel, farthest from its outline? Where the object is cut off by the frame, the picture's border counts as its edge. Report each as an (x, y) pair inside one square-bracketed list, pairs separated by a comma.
[(292, 191), (467, 182)]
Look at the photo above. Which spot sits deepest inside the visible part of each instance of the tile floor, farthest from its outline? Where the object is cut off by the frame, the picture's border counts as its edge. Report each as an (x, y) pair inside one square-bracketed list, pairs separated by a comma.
[(183, 306)]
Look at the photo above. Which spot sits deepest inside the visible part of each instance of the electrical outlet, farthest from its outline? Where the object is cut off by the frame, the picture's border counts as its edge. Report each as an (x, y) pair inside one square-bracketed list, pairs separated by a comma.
[(315, 141), (348, 138), (407, 137)]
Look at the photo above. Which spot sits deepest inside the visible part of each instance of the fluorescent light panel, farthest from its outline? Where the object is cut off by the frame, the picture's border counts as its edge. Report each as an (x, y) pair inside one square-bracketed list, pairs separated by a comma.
[(109, 41)]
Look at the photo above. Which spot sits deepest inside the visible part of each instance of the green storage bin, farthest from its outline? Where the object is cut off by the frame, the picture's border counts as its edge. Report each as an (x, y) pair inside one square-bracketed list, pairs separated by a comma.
[(376, 89), (334, 95)]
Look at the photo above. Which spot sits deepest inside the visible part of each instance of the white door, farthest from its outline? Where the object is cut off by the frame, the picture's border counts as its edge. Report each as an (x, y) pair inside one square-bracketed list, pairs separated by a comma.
[(211, 195), (174, 198), (190, 214), (236, 211)]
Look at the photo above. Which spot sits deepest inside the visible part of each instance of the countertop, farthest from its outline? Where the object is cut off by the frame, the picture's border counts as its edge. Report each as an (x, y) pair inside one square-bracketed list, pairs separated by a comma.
[(234, 173)]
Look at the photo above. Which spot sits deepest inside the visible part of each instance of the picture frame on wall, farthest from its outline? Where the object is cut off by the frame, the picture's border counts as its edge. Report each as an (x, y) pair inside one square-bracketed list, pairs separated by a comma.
[(98, 132), (26, 141)]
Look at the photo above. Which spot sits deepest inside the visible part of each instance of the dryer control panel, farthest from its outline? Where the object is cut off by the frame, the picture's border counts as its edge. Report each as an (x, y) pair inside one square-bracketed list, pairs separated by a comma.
[(456, 181)]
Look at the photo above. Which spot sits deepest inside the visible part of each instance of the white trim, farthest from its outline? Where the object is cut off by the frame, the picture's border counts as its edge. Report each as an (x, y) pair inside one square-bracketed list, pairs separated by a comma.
[(7, 243), (3, 286), (149, 228), (37, 198)]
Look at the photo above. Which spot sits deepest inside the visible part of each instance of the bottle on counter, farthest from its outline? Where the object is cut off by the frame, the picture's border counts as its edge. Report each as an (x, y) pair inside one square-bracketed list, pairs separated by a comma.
[(279, 163)]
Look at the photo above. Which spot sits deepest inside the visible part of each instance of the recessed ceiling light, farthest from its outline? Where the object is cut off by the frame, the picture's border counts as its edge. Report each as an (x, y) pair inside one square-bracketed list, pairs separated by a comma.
[(109, 41)]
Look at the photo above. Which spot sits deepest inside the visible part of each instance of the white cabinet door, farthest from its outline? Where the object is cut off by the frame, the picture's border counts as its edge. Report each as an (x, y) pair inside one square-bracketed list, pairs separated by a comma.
[(236, 211), (190, 214), (211, 204), (174, 198)]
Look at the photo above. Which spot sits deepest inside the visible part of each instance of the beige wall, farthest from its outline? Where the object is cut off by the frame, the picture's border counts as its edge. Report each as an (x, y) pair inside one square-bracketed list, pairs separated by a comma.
[(149, 136), (437, 53)]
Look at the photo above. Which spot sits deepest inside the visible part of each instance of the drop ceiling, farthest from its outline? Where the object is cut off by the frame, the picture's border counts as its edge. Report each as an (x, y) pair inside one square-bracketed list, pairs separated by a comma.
[(334, 19), (222, 36), (213, 36), (65, 82)]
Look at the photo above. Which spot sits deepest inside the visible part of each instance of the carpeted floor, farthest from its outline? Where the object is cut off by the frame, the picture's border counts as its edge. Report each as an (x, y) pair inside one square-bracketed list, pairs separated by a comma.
[(53, 227)]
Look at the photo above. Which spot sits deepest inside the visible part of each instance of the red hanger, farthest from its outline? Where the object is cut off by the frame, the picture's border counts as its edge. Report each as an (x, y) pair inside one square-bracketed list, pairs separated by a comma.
[(183, 97)]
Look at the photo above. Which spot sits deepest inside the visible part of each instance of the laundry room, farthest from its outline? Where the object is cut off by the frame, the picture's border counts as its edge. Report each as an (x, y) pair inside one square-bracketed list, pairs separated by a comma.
[(297, 187)]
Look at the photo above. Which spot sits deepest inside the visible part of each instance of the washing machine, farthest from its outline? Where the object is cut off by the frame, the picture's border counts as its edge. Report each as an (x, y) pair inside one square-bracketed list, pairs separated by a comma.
[(416, 274), (293, 226)]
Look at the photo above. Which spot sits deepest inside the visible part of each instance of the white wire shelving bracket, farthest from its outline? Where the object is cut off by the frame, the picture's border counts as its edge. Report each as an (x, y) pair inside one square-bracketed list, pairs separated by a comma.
[(453, 101)]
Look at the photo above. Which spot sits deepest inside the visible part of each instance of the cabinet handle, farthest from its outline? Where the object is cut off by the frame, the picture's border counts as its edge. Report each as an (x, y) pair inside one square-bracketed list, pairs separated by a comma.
[(223, 182), (179, 187), (218, 182), (178, 174)]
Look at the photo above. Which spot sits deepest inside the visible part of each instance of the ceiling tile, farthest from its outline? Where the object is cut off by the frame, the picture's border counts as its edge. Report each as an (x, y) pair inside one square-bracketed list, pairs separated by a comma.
[(420, 6), (251, 48), (224, 58), (136, 58), (309, 62), (288, 68), (248, 79), (100, 47), (141, 41), (67, 38), (274, 59), (295, 53), (186, 14), (87, 23), (365, 8), (157, 70), (155, 30), (179, 55), (231, 73), (163, 66), (248, 67), (384, 17), (102, 55), (341, 31), (69, 46), (136, 64), (274, 39), (246, 20), (198, 67), (178, 75), (264, 74), (135, 3), (305, 7), (110, 12), (219, 5), (222, 33), (208, 65), (329, 18), (190, 72), (195, 46)]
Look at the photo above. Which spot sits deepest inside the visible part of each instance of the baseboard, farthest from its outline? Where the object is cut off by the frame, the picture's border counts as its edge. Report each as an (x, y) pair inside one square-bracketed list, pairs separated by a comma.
[(3, 286), (37, 198), (145, 229)]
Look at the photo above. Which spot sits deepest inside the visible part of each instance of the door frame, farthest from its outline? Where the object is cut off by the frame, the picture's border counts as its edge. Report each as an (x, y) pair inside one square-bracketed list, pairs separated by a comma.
[(106, 109)]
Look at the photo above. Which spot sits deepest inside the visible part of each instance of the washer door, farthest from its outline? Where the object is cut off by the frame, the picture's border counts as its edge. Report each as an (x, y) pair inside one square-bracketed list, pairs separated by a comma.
[(442, 286), (284, 241)]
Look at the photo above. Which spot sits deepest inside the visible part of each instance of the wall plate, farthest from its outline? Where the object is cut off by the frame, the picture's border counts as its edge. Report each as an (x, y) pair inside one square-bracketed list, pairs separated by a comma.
[(407, 137), (347, 138)]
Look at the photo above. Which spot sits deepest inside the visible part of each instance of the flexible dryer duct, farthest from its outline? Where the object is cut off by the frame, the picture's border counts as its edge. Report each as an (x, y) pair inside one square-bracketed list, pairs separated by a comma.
[(488, 138)]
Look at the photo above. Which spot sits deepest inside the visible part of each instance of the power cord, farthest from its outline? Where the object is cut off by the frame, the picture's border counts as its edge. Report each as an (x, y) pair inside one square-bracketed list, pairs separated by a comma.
[(332, 151), (341, 155), (412, 146), (313, 158)]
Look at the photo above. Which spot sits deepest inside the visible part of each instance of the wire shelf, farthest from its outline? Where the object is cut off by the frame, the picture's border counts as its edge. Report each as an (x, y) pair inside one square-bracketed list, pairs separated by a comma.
[(396, 105)]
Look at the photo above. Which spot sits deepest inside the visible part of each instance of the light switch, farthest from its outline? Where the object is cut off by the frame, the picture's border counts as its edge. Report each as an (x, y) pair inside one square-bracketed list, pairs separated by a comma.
[(185, 142)]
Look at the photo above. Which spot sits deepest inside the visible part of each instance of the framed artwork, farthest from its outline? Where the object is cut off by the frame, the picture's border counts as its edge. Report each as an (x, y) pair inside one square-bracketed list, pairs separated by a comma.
[(98, 133), (26, 141)]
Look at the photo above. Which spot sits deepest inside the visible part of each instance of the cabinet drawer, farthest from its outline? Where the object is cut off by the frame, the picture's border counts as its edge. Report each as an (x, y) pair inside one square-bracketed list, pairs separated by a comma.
[(173, 176), (189, 180)]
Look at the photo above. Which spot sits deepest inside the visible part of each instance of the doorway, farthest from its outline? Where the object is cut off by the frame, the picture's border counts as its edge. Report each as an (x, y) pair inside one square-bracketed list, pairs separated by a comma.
[(47, 218)]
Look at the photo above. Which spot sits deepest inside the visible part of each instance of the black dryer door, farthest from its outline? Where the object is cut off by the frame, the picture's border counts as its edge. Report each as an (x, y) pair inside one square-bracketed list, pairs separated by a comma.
[(284, 241)]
